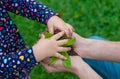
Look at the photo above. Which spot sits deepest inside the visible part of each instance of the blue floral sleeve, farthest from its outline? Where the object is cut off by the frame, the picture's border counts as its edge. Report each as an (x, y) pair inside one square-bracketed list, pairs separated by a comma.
[(29, 8), (14, 62)]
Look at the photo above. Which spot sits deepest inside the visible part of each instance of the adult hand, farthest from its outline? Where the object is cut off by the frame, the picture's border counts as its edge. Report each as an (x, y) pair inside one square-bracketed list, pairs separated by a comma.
[(56, 23), (78, 67), (59, 67), (97, 49)]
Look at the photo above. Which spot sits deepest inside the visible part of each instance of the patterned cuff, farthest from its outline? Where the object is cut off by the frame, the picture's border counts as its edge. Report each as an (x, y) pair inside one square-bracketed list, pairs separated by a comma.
[(32, 58), (16, 62), (48, 14)]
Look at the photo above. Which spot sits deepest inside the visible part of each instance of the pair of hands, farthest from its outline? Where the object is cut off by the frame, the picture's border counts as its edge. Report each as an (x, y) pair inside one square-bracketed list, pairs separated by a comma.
[(78, 66), (46, 48), (50, 47)]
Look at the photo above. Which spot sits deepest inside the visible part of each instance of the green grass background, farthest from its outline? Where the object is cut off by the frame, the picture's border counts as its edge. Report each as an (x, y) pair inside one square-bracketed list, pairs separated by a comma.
[(88, 17)]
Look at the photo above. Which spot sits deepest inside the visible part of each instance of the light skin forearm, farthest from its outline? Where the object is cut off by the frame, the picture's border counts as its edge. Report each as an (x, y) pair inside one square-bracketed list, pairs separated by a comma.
[(97, 49), (105, 50), (78, 67), (86, 72)]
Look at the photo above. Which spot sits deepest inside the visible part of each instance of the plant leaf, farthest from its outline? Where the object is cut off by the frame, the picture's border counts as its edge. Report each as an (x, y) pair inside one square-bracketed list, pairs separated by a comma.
[(67, 62), (48, 35), (53, 60), (70, 42)]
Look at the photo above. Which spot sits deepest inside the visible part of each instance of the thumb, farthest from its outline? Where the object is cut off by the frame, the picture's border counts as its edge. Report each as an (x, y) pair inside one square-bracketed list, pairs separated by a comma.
[(51, 29), (48, 67)]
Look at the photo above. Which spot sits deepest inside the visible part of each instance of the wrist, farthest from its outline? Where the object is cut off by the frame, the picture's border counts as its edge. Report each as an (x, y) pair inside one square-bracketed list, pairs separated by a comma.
[(86, 72), (91, 48), (77, 68), (80, 70), (37, 53), (84, 47)]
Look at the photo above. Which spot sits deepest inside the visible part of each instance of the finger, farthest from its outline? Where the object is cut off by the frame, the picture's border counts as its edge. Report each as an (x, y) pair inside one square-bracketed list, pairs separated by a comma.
[(71, 28), (62, 42), (48, 67), (45, 65), (70, 31), (65, 29), (42, 36), (58, 35), (60, 56), (67, 32), (51, 29), (64, 49), (74, 35)]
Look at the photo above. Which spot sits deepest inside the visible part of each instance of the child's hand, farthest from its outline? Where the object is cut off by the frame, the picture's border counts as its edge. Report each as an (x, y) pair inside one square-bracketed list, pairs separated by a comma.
[(56, 23), (50, 47)]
